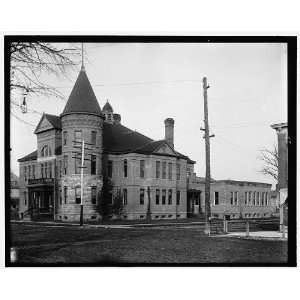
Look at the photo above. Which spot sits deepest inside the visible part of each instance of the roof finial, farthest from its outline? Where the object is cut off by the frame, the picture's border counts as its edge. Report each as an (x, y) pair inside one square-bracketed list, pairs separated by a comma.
[(82, 60)]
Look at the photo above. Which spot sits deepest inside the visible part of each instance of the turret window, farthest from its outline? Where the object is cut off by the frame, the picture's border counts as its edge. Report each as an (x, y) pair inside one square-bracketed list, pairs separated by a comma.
[(77, 195), (94, 193), (65, 137), (78, 136), (93, 137), (93, 164), (77, 163)]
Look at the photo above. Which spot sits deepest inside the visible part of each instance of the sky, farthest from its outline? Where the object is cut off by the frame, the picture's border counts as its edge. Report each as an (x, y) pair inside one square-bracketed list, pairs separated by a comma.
[(149, 82)]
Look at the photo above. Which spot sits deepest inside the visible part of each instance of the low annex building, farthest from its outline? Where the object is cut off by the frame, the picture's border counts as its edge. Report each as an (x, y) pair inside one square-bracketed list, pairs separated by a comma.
[(149, 175), (231, 198)]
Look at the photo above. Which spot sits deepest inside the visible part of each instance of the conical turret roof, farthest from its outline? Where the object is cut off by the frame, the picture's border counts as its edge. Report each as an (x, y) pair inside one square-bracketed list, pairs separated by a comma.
[(107, 107), (82, 98)]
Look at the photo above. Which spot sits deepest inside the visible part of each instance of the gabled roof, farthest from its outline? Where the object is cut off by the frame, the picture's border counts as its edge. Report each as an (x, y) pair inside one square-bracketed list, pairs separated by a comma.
[(28, 157), (52, 119), (118, 139), (33, 155), (82, 98)]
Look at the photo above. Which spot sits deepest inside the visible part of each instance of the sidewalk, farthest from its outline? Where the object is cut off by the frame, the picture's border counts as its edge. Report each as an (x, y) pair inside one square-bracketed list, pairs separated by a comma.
[(259, 235)]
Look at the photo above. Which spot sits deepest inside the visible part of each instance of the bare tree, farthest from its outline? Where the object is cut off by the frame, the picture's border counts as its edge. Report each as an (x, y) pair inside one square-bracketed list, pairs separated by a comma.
[(29, 62), (269, 157)]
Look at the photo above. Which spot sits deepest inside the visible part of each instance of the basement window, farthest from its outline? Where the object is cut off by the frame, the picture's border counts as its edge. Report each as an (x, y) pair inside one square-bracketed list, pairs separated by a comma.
[(170, 216), (142, 216)]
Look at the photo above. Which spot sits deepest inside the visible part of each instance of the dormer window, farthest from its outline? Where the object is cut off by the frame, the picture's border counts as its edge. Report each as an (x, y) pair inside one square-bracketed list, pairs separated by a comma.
[(109, 117)]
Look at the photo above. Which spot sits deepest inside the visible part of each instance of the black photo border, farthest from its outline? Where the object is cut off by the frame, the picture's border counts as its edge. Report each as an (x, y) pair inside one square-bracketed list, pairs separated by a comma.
[(291, 42)]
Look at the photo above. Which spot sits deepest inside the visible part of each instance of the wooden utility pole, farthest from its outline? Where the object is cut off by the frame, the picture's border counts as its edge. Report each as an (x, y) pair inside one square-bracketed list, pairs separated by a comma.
[(207, 157)]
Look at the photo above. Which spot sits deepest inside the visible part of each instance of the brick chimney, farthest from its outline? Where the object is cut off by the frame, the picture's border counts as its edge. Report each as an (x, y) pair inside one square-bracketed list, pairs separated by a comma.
[(169, 131)]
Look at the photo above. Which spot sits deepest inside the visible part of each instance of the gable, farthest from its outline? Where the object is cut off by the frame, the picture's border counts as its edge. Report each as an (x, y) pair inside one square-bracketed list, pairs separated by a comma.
[(44, 125), (165, 149)]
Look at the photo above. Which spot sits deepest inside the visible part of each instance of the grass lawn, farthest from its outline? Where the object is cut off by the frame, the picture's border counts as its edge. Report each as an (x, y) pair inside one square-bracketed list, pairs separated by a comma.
[(44, 244)]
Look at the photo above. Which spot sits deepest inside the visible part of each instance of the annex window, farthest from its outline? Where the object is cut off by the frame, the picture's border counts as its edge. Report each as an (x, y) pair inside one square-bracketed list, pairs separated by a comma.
[(93, 137), (157, 196), (178, 171), (125, 168), (236, 201), (65, 164), (170, 197), (164, 169), (163, 197), (142, 168), (157, 169), (93, 164), (177, 197), (142, 196), (216, 199), (124, 196), (93, 194), (65, 194), (109, 168), (65, 138), (77, 195), (77, 159), (77, 137), (170, 171)]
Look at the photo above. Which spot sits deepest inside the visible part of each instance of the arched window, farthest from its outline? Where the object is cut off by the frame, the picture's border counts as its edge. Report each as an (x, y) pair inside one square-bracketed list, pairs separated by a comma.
[(44, 151)]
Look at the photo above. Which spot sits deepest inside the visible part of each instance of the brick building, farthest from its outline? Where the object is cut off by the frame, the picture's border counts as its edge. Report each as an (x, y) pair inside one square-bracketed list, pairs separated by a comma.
[(149, 175), (152, 178)]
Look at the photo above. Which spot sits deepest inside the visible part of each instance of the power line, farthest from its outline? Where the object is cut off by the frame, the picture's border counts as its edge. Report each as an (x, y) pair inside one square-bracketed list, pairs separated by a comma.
[(137, 83), (28, 110), (21, 120)]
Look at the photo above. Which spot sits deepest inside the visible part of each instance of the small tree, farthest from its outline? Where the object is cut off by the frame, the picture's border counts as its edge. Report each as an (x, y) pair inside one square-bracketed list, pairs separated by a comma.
[(104, 198), (117, 207), (270, 162)]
